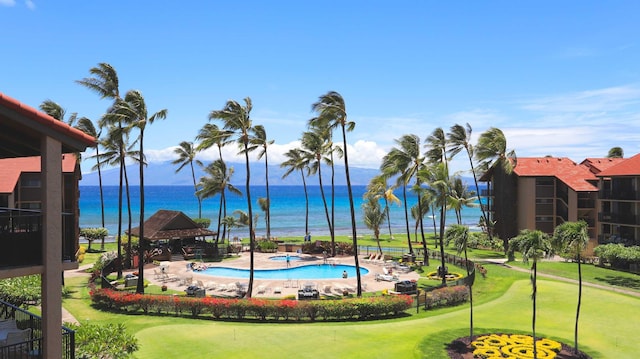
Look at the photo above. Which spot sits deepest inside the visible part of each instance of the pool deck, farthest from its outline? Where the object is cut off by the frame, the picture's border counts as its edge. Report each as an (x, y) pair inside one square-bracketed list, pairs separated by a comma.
[(178, 277)]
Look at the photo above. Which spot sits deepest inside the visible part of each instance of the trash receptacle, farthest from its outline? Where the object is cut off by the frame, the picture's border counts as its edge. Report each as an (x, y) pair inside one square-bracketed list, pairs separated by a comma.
[(406, 287), (409, 257)]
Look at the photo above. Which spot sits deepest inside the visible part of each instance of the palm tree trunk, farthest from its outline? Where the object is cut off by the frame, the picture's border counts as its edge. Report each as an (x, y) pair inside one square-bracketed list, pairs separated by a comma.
[(475, 181), (575, 335), (333, 204), (251, 231), (353, 214), (195, 188), (388, 210), (470, 285), (406, 217), (141, 240), (306, 205), (119, 234), (534, 297), (101, 193), (128, 193), (326, 208), (268, 211), (420, 219), (442, 259)]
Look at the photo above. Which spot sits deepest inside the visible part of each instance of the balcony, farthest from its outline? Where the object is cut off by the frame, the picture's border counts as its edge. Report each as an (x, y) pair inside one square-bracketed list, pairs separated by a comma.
[(31, 347), (21, 238), (619, 218), (619, 195)]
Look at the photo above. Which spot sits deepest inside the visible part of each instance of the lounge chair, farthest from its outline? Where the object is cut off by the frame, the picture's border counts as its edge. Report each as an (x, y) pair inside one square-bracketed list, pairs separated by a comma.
[(369, 258), (277, 290), (210, 285), (200, 284), (327, 288), (261, 289)]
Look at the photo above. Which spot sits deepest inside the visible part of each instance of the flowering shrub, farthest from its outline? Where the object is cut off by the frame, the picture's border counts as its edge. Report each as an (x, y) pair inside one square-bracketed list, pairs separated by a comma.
[(443, 297), (262, 309), (514, 346)]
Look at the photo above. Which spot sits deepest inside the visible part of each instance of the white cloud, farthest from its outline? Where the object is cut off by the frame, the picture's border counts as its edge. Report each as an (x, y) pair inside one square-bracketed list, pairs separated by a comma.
[(30, 4), (7, 2), (607, 99)]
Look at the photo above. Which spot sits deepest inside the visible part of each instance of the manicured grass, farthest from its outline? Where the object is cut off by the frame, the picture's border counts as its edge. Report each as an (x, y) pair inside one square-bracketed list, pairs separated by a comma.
[(590, 273), (502, 302)]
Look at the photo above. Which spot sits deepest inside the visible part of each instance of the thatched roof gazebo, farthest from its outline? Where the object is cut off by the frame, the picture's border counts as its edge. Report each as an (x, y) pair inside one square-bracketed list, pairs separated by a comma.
[(173, 226)]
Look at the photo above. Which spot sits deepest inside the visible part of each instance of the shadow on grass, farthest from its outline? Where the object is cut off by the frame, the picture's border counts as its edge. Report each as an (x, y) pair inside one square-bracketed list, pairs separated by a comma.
[(620, 281)]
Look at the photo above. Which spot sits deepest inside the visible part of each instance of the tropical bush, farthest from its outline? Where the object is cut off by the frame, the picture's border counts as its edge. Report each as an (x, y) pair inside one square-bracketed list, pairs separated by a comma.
[(92, 234), (444, 297), (253, 308), (481, 240), (21, 291), (267, 246), (617, 255), (103, 341)]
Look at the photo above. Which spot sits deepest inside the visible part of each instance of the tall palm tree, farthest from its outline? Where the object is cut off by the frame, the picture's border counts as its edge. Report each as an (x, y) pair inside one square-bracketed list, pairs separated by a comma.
[(186, 152), (459, 234), (571, 238), (134, 110), (404, 161), (533, 245), (236, 118), (332, 107), (491, 151), (459, 138), (437, 178), (217, 180), (87, 126), (373, 215), (296, 161), (259, 140), (105, 83), (211, 135), (313, 148)]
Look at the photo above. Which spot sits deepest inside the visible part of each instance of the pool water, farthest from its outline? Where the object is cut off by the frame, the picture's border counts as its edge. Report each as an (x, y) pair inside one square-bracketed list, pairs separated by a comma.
[(284, 258), (313, 271)]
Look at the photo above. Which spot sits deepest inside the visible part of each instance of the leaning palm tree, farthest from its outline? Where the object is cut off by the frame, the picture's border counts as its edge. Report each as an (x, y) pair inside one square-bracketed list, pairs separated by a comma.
[(378, 187), (105, 83), (459, 138), (187, 156), (313, 152), (259, 140), (404, 161), (331, 106), (56, 111), (437, 178), (459, 234), (533, 245), (236, 118), (134, 110), (460, 197), (571, 238), (86, 125), (296, 161), (373, 216), (217, 181)]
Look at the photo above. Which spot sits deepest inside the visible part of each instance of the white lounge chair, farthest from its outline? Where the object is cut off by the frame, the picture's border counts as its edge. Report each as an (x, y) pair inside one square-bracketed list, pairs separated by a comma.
[(210, 285)]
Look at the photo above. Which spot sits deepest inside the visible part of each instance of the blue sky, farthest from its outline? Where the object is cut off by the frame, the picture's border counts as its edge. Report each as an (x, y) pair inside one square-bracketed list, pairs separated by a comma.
[(559, 78)]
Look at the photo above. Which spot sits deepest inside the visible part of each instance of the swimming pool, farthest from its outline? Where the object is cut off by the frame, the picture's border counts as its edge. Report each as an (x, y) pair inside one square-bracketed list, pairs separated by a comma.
[(313, 271), (284, 258)]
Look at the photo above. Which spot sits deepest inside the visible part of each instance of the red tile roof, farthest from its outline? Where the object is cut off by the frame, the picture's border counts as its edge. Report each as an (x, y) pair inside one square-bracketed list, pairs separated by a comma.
[(573, 175), (628, 167), (11, 168), (597, 165), (46, 120)]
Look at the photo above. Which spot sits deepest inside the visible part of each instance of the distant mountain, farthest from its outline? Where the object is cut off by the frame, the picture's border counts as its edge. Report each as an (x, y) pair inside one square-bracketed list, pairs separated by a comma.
[(163, 174)]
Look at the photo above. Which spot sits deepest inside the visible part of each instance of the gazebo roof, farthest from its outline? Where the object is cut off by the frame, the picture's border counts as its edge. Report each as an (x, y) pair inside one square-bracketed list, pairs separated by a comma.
[(166, 224)]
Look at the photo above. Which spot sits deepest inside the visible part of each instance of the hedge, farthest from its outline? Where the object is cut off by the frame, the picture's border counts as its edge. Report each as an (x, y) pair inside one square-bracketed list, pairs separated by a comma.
[(253, 308)]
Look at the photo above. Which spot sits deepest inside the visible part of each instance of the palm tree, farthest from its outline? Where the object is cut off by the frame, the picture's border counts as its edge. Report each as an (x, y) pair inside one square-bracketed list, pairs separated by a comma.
[(187, 156), (437, 177), (105, 83), (571, 238), (259, 140), (459, 197), (211, 135), (615, 152), (459, 138), (86, 125), (296, 161), (217, 182), (313, 154), (236, 118), (459, 234), (56, 111), (404, 161), (533, 245), (134, 110), (379, 188), (331, 106), (491, 151), (374, 216)]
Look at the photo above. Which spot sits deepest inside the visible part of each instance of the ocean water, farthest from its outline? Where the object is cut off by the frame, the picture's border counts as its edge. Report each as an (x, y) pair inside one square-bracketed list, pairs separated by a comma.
[(287, 209)]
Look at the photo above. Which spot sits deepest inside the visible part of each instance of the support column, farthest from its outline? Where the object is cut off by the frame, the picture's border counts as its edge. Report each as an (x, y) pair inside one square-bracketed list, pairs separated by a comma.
[(51, 187)]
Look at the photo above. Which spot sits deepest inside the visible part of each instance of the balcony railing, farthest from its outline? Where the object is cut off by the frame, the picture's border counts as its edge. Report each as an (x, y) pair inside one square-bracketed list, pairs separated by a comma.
[(629, 195), (21, 237), (619, 218), (32, 348)]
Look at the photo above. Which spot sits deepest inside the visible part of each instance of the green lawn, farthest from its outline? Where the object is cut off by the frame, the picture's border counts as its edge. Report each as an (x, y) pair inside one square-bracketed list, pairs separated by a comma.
[(502, 304)]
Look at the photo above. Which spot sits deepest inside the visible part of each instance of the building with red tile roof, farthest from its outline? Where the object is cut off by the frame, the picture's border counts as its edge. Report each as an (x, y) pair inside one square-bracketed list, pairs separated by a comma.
[(35, 239)]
